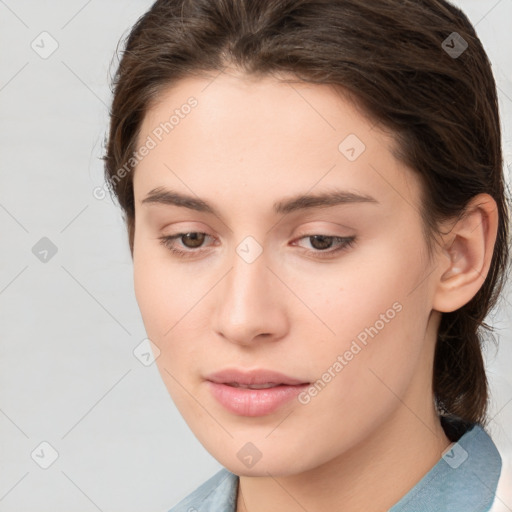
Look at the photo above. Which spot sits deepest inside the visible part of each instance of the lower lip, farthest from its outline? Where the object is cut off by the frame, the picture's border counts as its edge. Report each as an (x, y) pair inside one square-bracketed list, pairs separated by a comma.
[(254, 402)]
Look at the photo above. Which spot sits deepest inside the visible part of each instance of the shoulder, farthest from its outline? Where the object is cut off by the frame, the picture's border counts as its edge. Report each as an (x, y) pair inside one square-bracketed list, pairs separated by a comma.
[(217, 494), (465, 478), (503, 500)]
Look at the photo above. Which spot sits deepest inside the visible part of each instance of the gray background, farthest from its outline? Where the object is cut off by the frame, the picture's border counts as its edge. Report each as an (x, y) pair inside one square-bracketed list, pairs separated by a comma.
[(69, 326)]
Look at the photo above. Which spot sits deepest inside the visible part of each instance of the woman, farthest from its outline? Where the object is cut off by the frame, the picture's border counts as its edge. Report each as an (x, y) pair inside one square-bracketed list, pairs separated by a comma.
[(316, 213)]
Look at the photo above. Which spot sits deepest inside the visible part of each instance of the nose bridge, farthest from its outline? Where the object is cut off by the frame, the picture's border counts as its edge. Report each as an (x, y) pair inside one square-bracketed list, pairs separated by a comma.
[(246, 306), (247, 281)]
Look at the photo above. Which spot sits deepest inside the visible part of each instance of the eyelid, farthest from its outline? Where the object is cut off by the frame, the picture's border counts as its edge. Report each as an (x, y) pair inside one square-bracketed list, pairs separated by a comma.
[(319, 226)]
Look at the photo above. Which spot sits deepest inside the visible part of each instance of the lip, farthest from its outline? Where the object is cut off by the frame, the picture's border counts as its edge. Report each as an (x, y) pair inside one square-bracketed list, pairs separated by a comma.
[(248, 377), (253, 402)]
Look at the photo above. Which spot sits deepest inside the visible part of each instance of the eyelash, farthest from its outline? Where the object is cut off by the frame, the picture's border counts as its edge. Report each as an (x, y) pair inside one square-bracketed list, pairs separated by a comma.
[(345, 243)]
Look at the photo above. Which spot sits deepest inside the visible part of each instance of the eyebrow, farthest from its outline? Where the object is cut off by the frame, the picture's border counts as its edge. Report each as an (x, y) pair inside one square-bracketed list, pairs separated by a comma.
[(160, 195)]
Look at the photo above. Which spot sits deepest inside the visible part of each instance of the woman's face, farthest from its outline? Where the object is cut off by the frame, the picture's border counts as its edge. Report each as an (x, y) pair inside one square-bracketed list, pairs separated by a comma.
[(259, 292)]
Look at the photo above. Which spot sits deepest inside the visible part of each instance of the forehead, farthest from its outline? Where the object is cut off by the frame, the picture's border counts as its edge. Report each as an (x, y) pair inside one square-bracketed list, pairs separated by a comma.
[(258, 135), (254, 107)]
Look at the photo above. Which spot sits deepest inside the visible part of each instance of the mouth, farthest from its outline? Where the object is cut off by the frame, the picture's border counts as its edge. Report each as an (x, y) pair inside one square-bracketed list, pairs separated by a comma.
[(255, 386), (255, 379), (256, 393)]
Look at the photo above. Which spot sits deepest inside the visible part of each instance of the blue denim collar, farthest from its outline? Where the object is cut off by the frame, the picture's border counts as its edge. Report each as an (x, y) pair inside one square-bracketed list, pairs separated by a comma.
[(463, 480)]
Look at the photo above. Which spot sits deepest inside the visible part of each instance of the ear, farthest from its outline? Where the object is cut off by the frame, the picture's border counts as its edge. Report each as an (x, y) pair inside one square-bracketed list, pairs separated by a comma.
[(466, 255)]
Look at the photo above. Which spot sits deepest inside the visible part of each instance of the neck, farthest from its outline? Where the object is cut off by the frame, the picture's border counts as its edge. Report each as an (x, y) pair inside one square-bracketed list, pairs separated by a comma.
[(373, 475)]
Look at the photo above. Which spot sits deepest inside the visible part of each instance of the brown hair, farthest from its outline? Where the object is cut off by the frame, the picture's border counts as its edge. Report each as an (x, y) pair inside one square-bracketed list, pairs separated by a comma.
[(389, 56)]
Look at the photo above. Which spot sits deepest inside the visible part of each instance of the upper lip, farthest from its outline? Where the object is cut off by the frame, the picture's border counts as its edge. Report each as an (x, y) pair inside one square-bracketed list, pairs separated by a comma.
[(248, 377)]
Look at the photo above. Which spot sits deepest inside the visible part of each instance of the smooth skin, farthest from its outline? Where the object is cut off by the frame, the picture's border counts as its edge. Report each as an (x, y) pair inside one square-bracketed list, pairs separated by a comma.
[(372, 432)]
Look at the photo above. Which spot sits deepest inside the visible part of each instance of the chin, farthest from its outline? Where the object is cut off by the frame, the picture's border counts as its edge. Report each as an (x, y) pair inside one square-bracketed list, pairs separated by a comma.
[(274, 464)]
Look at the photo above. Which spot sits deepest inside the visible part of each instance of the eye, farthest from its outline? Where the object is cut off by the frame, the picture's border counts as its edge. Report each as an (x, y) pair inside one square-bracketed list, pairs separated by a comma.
[(194, 238), (193, 241), (323, 244)]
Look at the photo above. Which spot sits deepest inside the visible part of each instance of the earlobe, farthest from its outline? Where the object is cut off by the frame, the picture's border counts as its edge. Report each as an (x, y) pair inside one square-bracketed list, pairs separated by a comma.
[(467, 255)]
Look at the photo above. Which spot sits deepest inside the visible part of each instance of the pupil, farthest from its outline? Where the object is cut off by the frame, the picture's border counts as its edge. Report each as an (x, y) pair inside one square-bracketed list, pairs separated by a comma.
[(197, 239), (324, 245)]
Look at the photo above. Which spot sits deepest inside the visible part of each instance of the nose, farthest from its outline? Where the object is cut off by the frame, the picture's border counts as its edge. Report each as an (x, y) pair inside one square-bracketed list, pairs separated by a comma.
[(250, 303)]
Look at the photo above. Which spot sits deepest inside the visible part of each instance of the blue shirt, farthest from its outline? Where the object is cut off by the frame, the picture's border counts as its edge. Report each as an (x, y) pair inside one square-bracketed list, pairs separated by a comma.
[(464, 479)]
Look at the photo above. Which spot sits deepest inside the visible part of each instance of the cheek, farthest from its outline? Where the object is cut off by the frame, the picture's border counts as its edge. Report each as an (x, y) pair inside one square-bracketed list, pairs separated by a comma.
[(148, 292), (164, 299), (154, 286), (363, 378), (161, 290), (379, 314), (170, 303), (363, 295)]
